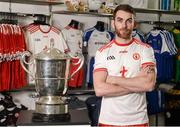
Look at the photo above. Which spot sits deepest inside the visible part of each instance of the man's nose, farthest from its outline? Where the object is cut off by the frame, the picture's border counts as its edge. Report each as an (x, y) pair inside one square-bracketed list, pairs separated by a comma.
[(124, 24)]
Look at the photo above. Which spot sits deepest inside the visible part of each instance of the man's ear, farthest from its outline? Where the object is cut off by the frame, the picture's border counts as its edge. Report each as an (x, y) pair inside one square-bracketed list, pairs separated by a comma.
[(135, 24), (112, 23)]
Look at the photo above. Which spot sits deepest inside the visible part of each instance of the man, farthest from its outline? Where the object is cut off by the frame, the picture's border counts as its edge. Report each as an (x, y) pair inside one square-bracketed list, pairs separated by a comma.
[(124, 70)]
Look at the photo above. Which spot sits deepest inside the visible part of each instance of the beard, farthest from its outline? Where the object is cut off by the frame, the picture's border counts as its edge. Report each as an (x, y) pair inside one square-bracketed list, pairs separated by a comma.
[(123, 33)]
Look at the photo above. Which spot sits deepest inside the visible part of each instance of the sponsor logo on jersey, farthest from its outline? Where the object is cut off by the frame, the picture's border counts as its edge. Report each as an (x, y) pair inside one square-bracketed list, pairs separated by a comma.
[(100, 43), (37, 39), (72, 35), (111, 58), (136, 56), (45, 36)]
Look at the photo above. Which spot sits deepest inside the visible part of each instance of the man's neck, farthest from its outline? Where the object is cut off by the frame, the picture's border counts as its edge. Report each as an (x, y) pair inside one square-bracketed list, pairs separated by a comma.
[(122, 40)]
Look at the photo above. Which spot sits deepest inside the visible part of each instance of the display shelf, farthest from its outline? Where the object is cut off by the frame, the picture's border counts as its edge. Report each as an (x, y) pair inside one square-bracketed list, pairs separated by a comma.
[(138, 10), (36, 2), (155, 11), (82, 13)]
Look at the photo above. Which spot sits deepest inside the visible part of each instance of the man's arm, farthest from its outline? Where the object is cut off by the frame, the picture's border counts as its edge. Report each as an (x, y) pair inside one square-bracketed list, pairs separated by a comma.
[(144, 81), (102, 88)]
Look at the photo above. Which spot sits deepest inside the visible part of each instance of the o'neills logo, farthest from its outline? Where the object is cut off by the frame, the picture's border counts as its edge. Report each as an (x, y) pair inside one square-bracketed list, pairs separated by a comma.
[(136, 56), (123, 51)]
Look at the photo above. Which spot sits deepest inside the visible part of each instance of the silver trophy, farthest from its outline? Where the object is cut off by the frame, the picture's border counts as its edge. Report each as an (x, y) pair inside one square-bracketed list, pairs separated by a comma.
[(51, 77)]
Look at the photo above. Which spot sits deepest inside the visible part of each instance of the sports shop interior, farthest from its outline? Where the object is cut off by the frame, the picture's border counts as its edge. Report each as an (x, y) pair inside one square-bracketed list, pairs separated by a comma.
[(42, 84)]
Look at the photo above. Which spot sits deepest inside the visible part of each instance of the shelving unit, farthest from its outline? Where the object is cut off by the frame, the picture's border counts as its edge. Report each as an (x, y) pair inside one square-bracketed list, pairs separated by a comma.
[(35, 2), (138, 10), (82, 13)]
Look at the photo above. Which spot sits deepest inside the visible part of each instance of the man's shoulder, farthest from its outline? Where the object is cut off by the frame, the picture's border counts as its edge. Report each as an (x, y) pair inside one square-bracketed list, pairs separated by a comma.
[(140, 43), (106, 46)]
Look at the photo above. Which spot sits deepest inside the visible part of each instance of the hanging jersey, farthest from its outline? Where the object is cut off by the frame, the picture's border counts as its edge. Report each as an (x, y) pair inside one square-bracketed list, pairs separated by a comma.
[(93, 40), (158, 40), (76, 81), (124, 60), (176, 34), (39, 38), (12, 44), (90, 74), (138, 35), (73, 38), (138, 3)]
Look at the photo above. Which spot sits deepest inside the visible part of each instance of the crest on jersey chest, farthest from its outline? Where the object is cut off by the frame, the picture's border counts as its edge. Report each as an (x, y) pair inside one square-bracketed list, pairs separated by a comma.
[(73, 35), (136, 56)]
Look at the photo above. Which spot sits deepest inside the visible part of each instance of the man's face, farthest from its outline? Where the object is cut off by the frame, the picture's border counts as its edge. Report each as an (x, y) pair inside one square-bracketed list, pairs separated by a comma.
[(123, 24)]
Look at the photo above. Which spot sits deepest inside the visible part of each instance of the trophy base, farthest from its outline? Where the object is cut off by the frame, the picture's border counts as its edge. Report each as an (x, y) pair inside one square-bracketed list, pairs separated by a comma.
[(37, 117)]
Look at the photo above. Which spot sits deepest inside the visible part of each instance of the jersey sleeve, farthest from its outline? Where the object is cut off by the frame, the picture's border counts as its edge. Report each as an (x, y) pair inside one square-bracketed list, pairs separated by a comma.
[(100, 62), (64, 47), (148, 57), (29, 42)]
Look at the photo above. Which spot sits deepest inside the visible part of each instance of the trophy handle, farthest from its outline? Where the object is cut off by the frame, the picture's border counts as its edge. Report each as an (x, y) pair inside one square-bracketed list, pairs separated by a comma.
[(23, 62), (67, 76)]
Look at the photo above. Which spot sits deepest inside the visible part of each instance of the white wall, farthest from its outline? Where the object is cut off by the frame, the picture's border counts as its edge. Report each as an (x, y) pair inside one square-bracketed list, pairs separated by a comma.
[(24, 8)]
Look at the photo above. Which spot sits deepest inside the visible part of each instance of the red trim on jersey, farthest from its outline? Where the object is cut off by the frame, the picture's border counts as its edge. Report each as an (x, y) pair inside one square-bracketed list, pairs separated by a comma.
[(56, 30), (45, 31), (106, 46), (135, 125), (70, 27), (148, 63), (100, 69), (34, 29), (120, 44), (66, 50), (67, 27), (141, 43), (28, 27)]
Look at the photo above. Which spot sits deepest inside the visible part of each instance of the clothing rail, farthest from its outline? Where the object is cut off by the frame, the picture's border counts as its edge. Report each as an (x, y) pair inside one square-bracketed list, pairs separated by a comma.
[(12, 18), (160, 22), (21, 14)]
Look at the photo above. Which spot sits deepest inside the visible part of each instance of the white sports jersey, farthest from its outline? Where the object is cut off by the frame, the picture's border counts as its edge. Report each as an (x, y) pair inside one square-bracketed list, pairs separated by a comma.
[(39, 38), (139, 3), (73, 38), (138, 35), (95, 39), (134, 3), (124, 60)]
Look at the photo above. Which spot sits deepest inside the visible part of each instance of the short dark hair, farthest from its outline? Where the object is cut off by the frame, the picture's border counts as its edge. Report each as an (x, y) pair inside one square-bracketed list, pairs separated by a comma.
[(124, 7)]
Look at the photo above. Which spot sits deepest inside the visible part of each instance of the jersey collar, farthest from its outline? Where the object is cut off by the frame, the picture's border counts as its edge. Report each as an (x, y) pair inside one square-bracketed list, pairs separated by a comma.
[(121, 44)]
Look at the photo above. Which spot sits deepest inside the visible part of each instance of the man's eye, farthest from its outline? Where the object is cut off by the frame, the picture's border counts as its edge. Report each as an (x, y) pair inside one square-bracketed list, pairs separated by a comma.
[(119, 20), (129, 21)]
